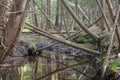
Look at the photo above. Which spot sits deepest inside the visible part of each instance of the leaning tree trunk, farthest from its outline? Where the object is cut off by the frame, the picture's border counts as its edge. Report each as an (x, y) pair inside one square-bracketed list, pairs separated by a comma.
[(13, 27)]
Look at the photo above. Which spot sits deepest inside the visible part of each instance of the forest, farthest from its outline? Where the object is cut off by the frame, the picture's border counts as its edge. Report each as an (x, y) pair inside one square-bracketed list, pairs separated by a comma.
[(59, 39)]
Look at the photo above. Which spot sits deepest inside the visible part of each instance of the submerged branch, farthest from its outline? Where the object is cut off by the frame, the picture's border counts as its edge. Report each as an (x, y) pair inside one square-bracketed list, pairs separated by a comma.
[(59, 70)]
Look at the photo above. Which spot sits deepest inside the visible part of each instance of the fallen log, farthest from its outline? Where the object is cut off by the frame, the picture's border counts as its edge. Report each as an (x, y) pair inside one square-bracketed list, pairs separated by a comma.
[(61, 40)]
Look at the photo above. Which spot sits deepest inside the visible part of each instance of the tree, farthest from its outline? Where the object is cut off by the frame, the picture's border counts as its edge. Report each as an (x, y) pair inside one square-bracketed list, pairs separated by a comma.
[(13, 26)]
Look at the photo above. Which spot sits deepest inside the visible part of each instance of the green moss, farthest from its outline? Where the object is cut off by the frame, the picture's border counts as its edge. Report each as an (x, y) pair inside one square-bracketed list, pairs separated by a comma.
[(116, 51), (81, 39), (81, 59)]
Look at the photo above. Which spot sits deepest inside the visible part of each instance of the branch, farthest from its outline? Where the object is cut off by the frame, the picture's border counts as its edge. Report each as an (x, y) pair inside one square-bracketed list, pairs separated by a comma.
[(59, 70), (13, 28), (110, 7), (103, 14), (90, 33), (81, 11), (58, 62), (105, 65), (48, 35)]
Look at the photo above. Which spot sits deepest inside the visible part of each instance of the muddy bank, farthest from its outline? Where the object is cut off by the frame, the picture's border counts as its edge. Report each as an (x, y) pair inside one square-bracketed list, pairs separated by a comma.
[(22, 47)]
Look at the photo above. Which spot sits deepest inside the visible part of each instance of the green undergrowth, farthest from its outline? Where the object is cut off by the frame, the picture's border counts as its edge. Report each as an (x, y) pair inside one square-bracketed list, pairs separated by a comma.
[(81, 59), (113, 66), (114, 62), (81, 39)]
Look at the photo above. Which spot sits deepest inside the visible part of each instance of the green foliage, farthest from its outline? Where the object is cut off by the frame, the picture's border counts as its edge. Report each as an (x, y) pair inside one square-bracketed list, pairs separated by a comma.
[(81, 58), (81, 39), (113, 66)]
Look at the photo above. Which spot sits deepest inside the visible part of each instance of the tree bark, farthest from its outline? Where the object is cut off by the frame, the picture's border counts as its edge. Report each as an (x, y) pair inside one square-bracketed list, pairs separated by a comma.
[(48, 14), (3, 9), (13, 28)]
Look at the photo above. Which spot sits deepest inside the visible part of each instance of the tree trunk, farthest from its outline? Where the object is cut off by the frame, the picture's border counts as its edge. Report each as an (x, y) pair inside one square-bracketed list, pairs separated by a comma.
[(3, 10), (48, 7), (57, 22), (14, 24)]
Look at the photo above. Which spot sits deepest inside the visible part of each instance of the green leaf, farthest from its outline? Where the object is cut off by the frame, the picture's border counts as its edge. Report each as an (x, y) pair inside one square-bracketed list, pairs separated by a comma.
[(113, 67)]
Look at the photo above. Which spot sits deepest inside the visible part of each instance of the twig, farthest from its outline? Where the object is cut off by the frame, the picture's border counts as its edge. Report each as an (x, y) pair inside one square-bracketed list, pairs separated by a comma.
[(83, 72)]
